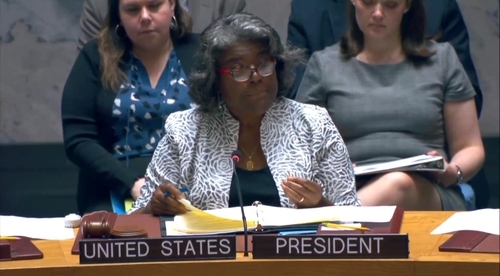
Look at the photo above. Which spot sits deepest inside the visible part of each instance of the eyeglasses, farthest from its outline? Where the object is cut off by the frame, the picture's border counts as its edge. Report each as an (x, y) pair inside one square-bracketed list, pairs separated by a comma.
[(243, 74)]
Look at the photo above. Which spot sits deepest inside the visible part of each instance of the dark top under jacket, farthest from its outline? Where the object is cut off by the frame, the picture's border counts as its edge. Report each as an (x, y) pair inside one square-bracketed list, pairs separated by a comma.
[(258, 185)]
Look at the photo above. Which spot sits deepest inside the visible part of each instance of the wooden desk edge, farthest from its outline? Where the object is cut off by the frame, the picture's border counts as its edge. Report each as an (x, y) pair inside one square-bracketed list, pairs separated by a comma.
[(421, 256)]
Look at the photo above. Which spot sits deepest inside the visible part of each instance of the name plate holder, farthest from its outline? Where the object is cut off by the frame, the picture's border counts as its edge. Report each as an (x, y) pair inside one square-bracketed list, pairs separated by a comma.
[(331, 246), (106, 237), (130, 250), (382, 241)]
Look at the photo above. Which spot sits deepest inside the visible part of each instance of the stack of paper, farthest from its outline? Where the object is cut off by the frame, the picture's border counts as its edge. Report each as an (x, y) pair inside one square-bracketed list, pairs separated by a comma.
[(484, 220), (229, 219), (35, 228), (198, 221)]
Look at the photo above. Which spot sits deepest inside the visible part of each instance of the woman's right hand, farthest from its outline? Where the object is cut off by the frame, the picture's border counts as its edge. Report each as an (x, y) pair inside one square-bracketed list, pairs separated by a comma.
[(166, 205)]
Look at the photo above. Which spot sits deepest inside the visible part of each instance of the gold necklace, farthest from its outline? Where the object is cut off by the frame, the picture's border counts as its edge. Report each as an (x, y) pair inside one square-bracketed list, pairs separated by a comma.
[(249, 162)]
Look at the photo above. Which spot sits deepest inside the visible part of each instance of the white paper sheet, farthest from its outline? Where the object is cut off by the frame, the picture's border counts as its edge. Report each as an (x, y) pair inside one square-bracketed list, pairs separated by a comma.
[(415, 163), (278, 216), (35, 228), (171, 231), (170, 227), (275, 216), (484, 220)]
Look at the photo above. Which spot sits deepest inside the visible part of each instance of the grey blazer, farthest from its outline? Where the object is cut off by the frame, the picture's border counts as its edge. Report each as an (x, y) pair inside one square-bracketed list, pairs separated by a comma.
[(203, 13)]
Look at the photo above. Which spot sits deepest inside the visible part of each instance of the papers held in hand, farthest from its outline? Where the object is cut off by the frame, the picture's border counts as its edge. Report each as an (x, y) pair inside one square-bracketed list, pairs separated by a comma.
[(417, 163), (228, 220)]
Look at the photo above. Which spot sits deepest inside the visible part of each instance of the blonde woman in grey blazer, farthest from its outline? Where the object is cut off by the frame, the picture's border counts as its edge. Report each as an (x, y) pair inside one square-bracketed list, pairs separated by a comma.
[(203, 12)]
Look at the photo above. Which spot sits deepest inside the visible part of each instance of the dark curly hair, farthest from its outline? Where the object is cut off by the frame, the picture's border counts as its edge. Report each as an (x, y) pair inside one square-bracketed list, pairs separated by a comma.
[(221, 34)]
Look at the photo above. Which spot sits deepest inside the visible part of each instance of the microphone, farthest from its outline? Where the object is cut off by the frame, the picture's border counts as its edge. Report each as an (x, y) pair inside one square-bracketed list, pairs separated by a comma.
[(236, 156)]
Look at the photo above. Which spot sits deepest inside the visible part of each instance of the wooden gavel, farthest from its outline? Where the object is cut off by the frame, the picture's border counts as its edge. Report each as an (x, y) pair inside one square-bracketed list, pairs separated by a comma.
[(101, 229), (96, 229)]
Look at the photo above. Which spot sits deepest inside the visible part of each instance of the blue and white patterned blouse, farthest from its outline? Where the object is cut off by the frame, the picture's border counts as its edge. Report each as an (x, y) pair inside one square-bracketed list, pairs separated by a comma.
[(139, 111)]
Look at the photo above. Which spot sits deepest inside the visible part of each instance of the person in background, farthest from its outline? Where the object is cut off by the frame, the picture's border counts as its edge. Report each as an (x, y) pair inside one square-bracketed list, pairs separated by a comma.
[(317, 24), (394, 94), (122, 86), (202, 13), (293, 155)]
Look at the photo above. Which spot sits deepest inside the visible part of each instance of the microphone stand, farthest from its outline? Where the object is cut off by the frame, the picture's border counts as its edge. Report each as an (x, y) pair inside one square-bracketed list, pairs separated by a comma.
[(236, 158)]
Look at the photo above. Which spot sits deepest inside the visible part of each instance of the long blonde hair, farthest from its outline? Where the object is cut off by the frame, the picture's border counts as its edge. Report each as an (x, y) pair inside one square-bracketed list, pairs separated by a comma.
[(113, 43)]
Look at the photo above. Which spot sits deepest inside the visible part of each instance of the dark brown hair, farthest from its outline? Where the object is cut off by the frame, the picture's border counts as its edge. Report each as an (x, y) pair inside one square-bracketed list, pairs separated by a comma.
[(413, 39), (114, 43)]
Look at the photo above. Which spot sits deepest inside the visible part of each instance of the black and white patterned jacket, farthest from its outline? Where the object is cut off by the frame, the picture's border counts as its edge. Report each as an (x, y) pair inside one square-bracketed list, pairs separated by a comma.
[(297, 140)]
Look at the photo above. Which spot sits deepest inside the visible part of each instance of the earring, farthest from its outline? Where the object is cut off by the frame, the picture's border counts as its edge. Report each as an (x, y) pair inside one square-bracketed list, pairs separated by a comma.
[(219, 102), (117, 28), (354, 4), (173, 24)]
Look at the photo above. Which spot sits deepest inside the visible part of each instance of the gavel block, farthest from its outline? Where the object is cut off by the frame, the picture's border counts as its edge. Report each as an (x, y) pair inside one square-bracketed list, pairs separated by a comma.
[(109, 225), (103, 227), (128, 231)]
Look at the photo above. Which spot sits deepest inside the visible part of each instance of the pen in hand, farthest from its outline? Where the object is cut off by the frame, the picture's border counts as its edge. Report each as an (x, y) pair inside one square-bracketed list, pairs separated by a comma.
[(182, 190)]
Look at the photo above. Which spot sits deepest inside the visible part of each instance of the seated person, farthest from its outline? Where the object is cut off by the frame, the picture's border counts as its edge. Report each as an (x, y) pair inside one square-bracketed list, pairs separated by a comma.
[(94, 13), (293, 155), (393, 94), (120, 90), (316, 24)]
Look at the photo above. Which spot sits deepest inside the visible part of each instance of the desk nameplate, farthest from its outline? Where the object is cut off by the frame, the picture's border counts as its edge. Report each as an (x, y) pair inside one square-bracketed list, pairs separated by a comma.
[(345, 246), (97, 251)]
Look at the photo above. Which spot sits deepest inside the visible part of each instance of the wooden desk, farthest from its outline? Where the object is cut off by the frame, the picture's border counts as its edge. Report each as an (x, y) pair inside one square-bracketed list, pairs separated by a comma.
[(429, 261), (425, 259)]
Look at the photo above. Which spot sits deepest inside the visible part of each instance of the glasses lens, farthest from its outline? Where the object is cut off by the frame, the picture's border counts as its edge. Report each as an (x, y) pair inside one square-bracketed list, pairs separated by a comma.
[(241, 75), (266, 69)]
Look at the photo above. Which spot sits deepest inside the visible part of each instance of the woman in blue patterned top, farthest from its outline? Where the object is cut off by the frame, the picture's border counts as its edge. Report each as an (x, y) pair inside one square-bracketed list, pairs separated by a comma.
[(122, 87)]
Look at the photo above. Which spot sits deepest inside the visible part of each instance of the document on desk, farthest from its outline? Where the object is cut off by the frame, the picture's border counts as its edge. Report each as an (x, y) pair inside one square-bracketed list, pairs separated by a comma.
[(483, 220), (35, 228), (229, 219), (417, 163)]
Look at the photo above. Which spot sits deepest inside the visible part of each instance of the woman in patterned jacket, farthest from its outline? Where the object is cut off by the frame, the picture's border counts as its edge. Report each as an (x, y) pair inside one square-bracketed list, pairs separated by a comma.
[(121, 88), (293, 155)]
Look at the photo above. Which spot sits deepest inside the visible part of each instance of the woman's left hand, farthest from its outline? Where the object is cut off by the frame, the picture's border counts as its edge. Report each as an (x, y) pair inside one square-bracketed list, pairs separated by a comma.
[(447, 177), (302, 192)]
